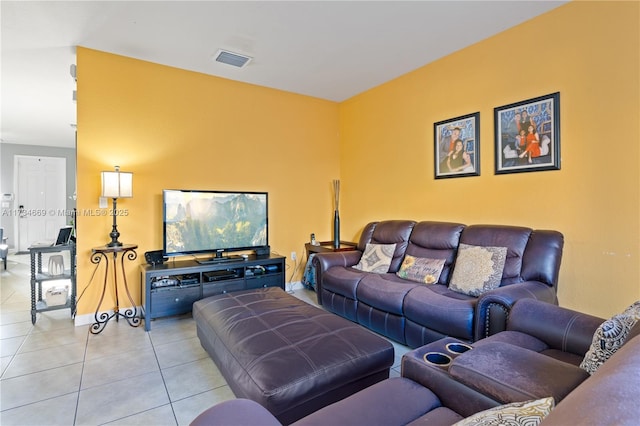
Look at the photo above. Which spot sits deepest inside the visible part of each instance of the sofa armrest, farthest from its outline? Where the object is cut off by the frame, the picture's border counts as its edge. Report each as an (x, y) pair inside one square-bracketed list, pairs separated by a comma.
[(236, 412), (606, 398), (494, 306), (453, 394), (325, 260), (560, 328)]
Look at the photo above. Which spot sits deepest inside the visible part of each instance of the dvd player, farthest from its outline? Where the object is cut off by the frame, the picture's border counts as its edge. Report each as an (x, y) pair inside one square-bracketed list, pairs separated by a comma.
[(187, 279), (222, 274)]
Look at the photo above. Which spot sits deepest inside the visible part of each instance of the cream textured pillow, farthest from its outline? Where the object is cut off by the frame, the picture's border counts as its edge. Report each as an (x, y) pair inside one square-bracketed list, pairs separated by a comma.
[(610, 337), (478, 269), (376, 258), (527, 413), (419, 269)]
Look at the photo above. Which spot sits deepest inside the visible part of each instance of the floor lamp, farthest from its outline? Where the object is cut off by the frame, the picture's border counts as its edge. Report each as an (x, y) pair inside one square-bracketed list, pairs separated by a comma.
[(116, 185)]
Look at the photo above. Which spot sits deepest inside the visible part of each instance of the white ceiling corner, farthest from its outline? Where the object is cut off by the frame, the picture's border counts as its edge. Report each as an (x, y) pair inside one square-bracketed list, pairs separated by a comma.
[(326, 49)]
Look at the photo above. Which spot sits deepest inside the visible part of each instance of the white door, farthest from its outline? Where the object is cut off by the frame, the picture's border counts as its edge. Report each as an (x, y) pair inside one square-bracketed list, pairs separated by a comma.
[(41, 192)]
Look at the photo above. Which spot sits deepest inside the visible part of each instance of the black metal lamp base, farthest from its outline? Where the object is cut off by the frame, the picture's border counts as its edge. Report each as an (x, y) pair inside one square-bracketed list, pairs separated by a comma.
[(114, 230)]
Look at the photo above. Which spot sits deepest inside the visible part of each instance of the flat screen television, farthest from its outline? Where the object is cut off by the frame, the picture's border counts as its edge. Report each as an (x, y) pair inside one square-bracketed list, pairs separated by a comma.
[(213, 222)]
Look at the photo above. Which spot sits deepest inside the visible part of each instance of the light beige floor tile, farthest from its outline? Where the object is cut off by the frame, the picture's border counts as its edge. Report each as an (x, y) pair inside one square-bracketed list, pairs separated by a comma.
[(14, 283), (120, 329), (13, 316), (4, 362), (176, 353), (109, 369), (53, 320), (36, 387), (394, 372), (15, 290), (48, 339), (10, 346), (173, 329), (398, 351), (58, 411), (116, 338), (189, 408), (306, 295), (121, 381), (45, 359), (20, 307), (121, 399), (193, 378), (15, 329), (161, 416)]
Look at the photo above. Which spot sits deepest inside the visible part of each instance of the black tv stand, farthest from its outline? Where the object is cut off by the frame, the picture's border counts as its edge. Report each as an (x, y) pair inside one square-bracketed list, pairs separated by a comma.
[(171, 288), (219, 259)]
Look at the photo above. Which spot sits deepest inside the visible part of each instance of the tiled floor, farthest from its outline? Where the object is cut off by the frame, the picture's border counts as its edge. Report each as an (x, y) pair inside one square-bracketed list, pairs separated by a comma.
[(54, 373)]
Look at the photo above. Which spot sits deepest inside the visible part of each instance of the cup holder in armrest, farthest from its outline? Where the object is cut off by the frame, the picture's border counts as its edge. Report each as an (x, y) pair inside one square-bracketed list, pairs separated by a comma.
[(457, 348), (437, 358)]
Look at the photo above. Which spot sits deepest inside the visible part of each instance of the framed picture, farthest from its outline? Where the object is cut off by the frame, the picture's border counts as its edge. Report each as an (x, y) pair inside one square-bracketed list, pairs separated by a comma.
[(457, 146), (528, 135)]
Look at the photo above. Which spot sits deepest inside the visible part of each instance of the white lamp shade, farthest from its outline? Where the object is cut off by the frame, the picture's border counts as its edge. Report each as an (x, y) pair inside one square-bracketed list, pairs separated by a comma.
[(117, 184)]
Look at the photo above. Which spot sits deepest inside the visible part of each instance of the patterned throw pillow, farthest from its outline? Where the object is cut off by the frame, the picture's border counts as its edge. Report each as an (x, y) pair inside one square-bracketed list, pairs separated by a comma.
[(610, 337), (376, 258), (422, 270), (527, 413), (478, 269)]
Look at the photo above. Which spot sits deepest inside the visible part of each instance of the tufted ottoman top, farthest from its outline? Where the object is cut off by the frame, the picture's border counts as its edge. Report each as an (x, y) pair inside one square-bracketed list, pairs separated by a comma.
[(285, 354)]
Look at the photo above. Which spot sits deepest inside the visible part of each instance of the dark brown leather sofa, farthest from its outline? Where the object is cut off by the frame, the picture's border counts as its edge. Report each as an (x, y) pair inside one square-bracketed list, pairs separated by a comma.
[(416, 314), (536, 357)]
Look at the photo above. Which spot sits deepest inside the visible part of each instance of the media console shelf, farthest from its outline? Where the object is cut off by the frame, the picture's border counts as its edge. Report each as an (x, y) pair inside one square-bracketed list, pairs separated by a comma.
[(171, 288)]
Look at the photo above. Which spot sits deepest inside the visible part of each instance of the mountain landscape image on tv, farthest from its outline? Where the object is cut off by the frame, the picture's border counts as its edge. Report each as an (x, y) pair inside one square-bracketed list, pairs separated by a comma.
[(213, 221)]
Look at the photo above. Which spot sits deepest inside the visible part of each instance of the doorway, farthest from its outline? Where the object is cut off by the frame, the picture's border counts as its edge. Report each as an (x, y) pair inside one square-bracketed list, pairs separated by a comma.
[(40, 187)]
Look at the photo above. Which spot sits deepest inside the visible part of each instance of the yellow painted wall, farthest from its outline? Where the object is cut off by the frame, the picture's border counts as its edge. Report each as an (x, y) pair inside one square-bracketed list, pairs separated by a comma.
[(179, 129), (168, 126), (587, 51)]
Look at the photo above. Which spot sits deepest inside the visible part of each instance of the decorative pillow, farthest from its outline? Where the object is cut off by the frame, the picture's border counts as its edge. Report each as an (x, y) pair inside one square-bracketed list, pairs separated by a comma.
[(610, 337), (422, 270), (376, 258), (478, 269), (527, 413)]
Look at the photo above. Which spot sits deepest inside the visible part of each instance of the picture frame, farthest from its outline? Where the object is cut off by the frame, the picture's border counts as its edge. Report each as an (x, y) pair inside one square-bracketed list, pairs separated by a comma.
[(527, 135), (453, 160)]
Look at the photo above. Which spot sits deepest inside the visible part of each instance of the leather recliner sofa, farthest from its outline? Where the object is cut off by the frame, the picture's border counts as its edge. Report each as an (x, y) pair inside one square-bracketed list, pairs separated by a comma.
[(416, 314), (429, 395), (538, 355)]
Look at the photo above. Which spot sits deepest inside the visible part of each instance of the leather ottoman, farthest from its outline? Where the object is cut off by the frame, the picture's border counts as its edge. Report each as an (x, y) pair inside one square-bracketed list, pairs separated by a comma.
[(289, 356)]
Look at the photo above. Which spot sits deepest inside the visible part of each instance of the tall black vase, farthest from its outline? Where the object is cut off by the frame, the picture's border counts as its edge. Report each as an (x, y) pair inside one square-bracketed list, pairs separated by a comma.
[(336, 229)]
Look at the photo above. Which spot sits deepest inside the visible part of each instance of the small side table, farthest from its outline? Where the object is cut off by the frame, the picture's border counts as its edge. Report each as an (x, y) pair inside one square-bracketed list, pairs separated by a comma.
[(126, 251), (309, 278), (324, 246)]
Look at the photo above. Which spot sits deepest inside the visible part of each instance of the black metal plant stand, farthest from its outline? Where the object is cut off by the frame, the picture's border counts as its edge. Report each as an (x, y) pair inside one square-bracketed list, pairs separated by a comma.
[(110, 256)]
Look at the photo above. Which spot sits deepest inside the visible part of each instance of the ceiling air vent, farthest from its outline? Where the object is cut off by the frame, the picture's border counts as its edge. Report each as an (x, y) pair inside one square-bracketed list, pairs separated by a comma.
[(230, 58)]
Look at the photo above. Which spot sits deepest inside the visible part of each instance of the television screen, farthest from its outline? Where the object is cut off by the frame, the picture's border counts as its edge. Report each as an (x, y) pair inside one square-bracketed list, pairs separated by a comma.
[(213, 221)]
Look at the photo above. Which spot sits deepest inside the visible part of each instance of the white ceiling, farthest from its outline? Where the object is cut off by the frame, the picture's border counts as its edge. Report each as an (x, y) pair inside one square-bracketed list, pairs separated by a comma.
[(326, 49)]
